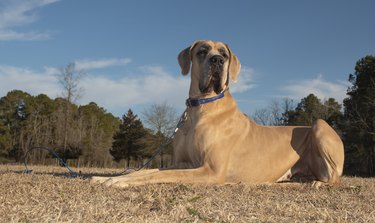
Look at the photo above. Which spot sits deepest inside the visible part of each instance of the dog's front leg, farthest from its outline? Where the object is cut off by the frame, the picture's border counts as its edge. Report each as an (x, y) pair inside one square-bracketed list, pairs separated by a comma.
[(201, 175)]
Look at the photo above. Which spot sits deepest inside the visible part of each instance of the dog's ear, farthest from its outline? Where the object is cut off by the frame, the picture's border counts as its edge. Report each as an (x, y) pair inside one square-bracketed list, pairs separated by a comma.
[(184, 58), (234, 65)]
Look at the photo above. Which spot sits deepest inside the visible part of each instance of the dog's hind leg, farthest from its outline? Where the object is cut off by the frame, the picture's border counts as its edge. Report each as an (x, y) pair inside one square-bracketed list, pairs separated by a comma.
[(327, 153)]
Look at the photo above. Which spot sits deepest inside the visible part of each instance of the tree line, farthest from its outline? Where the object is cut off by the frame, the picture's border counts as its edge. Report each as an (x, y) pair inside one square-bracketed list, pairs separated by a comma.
[(85, 134), (27, 121), (94, 137)]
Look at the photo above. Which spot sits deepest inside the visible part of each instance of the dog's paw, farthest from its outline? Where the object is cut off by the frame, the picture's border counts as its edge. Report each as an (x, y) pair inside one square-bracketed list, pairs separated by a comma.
[(317, 184), (110, 181), (116, 182), (99, 180)]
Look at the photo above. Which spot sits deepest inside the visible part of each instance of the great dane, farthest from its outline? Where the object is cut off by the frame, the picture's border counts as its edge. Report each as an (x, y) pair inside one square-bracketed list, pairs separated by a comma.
[(218, 144)]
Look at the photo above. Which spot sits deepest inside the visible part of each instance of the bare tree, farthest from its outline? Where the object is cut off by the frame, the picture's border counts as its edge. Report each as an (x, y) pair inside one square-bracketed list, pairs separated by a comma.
[(274, 113), (278, 109), (262, 116), (161, 119), (69, 78)]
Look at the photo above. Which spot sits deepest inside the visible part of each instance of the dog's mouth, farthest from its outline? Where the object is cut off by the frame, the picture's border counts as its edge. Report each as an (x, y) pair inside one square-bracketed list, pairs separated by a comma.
[(212, 82)]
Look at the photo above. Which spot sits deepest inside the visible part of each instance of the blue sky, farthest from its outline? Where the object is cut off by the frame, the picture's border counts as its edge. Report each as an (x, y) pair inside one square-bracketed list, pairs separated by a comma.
[(128, 49)]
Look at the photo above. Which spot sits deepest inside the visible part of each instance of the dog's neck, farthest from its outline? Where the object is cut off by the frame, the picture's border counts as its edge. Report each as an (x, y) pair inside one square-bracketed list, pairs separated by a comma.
[(194, 102), (200, 95), (195, 93)]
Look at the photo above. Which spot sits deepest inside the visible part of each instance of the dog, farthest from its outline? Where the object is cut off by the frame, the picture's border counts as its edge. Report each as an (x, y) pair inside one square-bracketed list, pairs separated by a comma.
[(218, 144)]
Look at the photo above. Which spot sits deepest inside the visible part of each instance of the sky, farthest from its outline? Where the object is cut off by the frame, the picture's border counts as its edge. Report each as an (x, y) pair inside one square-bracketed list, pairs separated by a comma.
[(128, 49)]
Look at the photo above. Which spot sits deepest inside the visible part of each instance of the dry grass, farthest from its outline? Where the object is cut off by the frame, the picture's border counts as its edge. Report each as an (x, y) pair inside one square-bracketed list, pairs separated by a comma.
[(42, 197)]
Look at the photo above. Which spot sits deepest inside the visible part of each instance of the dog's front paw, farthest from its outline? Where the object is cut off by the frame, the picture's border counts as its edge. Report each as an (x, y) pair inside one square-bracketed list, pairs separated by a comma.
[(110, 181), (317, 184), (99, 180)]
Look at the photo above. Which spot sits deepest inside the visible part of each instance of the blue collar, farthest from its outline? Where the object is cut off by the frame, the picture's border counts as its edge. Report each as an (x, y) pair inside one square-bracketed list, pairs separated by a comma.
[(196, 102)]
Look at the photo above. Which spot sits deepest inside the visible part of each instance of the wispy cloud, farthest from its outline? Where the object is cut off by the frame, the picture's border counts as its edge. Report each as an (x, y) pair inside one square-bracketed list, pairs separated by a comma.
[(17, 13), (245, 81), (33, 82), (149, 84), (322, 88), (145, 85), (152, 84), (97, 64), (7, 35)]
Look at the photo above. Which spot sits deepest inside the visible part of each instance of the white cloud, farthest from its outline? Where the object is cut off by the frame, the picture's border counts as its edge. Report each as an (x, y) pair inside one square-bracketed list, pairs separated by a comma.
[(14, 78), (318, 86), (147, 85), (244, 82), (97, 64), (15, 13), (7, 35), (152, 85)]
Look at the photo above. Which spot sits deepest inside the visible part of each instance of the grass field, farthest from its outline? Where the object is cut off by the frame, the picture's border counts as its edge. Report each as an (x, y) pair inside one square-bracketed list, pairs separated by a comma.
[(47, 196)]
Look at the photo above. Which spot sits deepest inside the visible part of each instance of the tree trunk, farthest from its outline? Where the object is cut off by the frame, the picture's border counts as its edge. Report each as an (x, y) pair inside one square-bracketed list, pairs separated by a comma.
[(371, 164), (128, 161), (66, 113), (161, 160)]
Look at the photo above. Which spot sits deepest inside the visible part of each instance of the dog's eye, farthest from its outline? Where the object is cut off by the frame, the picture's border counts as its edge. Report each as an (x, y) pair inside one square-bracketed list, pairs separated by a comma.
[(225, 55), (202, 52)]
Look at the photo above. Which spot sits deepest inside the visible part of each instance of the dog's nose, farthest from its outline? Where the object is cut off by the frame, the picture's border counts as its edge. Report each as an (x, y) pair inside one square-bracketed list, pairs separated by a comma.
[(217, 60)]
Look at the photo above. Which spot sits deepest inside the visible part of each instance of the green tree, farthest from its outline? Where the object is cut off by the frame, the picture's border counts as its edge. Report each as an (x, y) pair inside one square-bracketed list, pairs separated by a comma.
[(5, 142), (359, 125), (311, 108), (332, 113), (307, 111), (40, 120), (66, 136), (13, 115), (96, 130), (128, 141), (40, 126), (26, 121)]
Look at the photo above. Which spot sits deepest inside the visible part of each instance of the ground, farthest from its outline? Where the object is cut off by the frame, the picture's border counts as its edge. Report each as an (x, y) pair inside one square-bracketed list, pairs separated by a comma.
[(47, 195)]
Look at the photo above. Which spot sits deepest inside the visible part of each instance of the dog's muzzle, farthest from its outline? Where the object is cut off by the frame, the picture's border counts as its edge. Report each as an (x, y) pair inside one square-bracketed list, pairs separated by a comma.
[(217, 65), (217, 61), (212, 79)]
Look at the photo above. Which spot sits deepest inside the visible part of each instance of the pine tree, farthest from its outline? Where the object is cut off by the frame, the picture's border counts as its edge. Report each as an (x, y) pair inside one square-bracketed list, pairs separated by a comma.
[(128, 140), (359, 126), (307, 111), (14, 111), (311, 108)]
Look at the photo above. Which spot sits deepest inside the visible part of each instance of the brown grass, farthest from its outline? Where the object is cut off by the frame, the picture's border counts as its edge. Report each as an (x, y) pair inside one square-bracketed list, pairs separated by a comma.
[(42, 197)]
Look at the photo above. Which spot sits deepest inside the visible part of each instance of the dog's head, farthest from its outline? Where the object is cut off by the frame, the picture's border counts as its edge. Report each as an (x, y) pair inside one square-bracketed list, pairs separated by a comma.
[(211, 63)]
